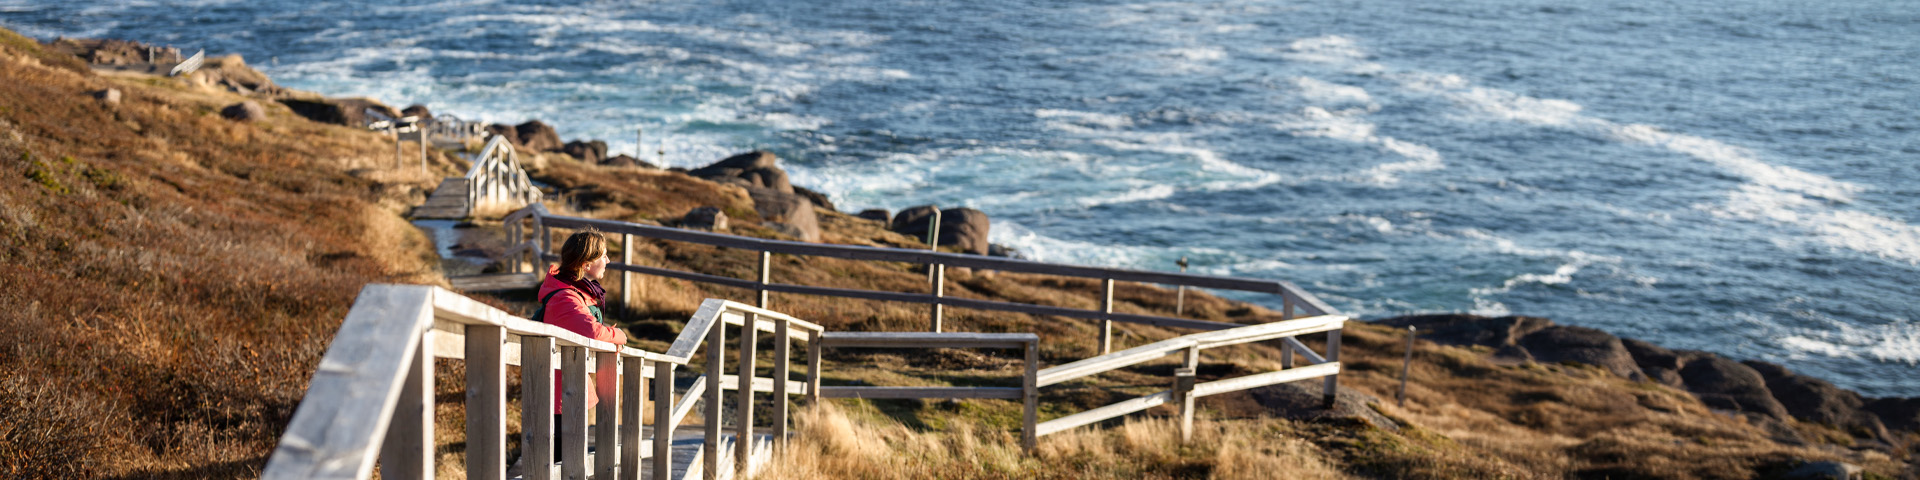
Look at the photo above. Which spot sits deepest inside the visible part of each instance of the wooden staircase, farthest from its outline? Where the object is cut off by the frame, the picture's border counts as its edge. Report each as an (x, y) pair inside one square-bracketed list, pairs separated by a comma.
[(448, 201)]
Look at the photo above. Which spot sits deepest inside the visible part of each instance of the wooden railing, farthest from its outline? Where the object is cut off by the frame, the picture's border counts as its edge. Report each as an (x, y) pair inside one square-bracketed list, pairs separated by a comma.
[(372, 395), (540, 247), (1028, 393), (496, 182)]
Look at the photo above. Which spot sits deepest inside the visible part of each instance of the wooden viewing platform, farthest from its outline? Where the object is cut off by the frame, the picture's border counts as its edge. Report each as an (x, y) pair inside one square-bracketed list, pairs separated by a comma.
[(371, 397)]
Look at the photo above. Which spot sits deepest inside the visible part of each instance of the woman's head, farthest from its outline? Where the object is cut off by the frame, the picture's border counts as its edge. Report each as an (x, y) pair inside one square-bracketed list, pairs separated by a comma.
[(584, 254)]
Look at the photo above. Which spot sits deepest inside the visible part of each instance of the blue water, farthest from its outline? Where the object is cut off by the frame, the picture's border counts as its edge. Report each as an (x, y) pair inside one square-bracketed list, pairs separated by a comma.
[(1735, 177)]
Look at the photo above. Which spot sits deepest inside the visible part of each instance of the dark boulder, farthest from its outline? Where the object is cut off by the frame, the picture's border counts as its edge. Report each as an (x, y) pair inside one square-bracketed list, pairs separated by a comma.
[(1728, 385), (247, 111), (880, 214), (352, 112), (793, 212), (504, 131), (417, 111), (1303, 401), (537, 136), (1660, 364), (1897, 413), (756, 168), (705, 218), (1462, 329), (1584, 345), (110, 96), (964, 228), (819, 200), (590, 152), (624, 160), (1815, 400)]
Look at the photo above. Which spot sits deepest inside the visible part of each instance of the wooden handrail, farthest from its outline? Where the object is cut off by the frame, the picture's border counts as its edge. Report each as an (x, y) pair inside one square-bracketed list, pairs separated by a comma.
[(1144, 353)]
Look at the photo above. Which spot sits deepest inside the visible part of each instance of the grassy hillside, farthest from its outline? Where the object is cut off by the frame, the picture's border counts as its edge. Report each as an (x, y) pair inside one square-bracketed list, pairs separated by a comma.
[(170, 279)]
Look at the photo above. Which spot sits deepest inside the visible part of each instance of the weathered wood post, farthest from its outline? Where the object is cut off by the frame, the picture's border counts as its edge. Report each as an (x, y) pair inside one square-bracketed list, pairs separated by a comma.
[(939, 291), (536, 406), (633, 402), (486, 402), (1106, 316), (743, 409), (1333, 356), (1029, 399), (1406, 363), (716, 359), (781, 359), (1183, 379), (573, 410), (663, 419), (766, 274), (813, 368), (407, 450), (626, 277), (1180, 301), (606, 434)]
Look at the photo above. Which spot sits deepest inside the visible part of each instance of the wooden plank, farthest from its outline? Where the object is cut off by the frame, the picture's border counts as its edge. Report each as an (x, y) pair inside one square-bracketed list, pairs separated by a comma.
[(782, 356), (1270, 331), (664, 420), (449, 341), (494, 282), (1264, 379), (1110, 411), (407, 451), (1332, 385), (743, 406), (1313, 304), (1301, 348), (352, 397), (1120, 359), (573, 409), (1106, 316), (688, 401), (716, 361), (697, 327), (536, 401), (486, 402), (813, 368), (1010, 393), (606, 434), (761, 384), (633, 402), (1030, 397), (926, 340)]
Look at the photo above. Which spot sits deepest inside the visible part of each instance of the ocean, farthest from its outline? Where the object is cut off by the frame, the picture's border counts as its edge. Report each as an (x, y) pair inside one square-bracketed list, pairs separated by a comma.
[(1737, 177)]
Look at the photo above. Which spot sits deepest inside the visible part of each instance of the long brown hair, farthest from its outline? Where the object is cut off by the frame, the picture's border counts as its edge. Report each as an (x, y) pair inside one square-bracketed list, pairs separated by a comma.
[(581, 247)]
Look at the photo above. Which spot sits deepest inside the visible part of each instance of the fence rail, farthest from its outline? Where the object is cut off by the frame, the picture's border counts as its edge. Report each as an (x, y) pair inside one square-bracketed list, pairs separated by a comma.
[(536, 241)]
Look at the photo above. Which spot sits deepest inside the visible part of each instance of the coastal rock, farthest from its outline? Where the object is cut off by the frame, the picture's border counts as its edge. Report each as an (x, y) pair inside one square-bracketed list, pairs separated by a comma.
[(110, 96), (417, 111), (504, 130), (1462, 329), (537, 136), (705, 218), (352, 112), (624, 160), (756, 168), (964, 228), (1815, 400), (247, 111), (1897, 413), (590, 152), (792, 211), (880, 214), (1728, 385), (232, 73), (1827, 470), (998, 250), (1585, 345), (1303, 401), (116, 52), (1660, 364), (819, 200)]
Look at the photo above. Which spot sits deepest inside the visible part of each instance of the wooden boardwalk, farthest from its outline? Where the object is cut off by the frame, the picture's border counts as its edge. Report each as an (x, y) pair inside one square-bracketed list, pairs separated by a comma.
[(687, 443), (448, 201)]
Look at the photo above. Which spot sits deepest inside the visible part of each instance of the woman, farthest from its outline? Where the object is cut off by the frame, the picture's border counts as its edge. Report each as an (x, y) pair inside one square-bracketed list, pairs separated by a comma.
[(572, 299)]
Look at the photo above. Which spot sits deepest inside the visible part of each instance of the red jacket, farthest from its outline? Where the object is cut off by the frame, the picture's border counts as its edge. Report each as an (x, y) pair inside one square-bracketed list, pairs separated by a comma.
[(569, 310)]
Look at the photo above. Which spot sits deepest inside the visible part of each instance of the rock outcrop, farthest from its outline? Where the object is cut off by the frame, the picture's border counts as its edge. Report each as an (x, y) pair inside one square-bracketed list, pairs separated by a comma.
[(1303, 401), (586, 151), (624, 160), (1729, 385), (964, 228), (705, 218), (247, 111), (417, 111), (1815, 400), (752, 169), (788, 213), (352, 112), (537, 136)]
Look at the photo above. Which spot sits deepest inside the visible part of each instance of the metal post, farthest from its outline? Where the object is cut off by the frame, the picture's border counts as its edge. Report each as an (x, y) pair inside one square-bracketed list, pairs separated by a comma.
[(1106, 317), (939, 290), (1406, 363), (1180, 301)]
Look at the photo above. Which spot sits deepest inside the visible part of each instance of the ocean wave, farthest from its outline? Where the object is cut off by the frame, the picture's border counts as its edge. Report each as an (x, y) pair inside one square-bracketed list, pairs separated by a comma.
[(1100, 119), (1349, 127)]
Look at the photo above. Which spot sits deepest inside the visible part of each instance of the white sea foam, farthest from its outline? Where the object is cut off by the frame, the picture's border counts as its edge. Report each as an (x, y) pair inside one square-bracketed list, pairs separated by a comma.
[(1101, 119), (1349, 127), (1324, 49), (1329, 95), (1894, 342)]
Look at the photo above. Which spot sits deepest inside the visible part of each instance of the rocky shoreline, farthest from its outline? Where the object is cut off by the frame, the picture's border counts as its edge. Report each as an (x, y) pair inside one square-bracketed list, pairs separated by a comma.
[(1768, 395)]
